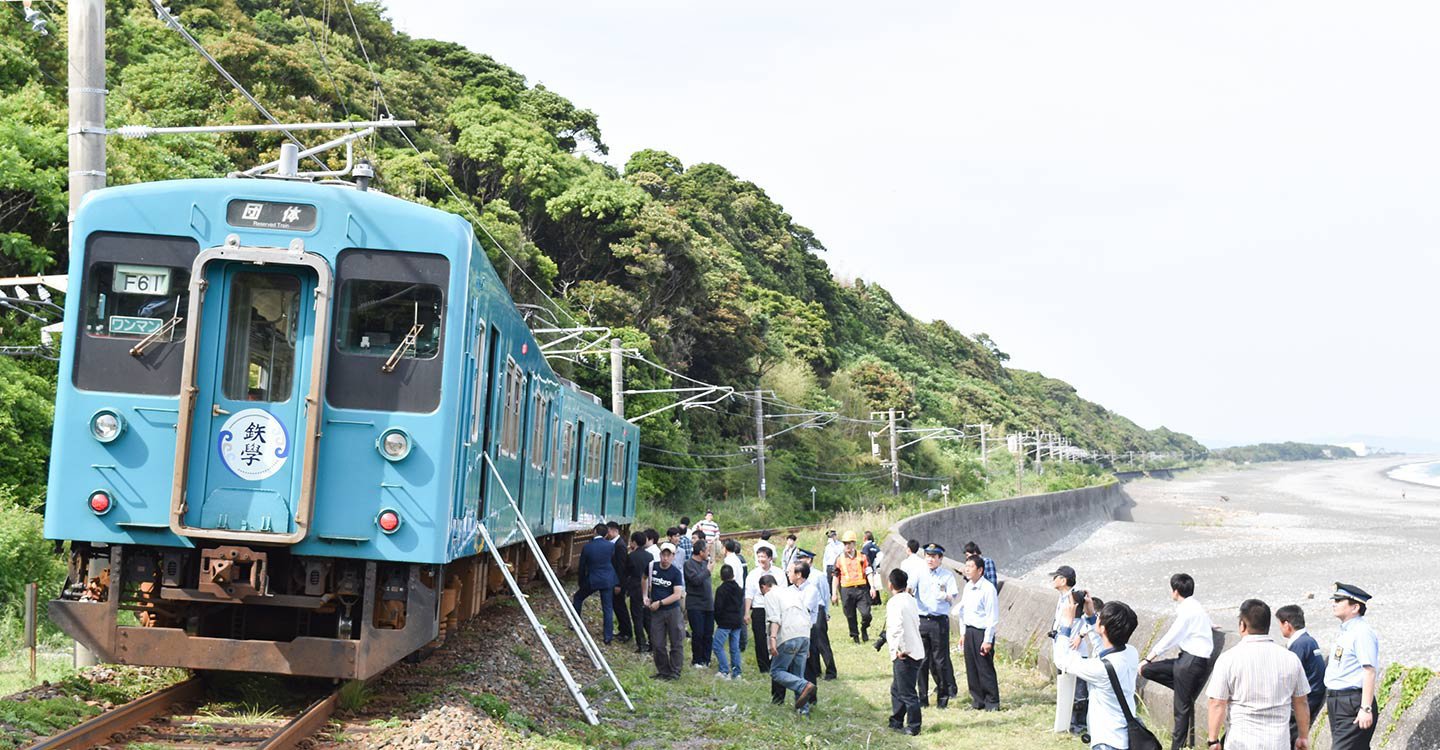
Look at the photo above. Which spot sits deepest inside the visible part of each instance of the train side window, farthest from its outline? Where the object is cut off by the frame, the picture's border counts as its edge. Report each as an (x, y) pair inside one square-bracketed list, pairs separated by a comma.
[(377, 318), (567, 450), (596, 461), (514, 403), (133, 285), (537, 433), (617, 463)]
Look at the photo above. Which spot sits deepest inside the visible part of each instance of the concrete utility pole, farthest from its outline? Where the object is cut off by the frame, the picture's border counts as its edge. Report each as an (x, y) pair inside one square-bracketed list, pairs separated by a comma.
[(86, 20), (86, 25), (894, 456), (617, 379), (760, 440), (984, 448)]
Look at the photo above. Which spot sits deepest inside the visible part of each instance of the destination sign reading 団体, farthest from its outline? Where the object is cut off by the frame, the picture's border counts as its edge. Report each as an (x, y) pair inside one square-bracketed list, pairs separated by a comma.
[(268, 215)]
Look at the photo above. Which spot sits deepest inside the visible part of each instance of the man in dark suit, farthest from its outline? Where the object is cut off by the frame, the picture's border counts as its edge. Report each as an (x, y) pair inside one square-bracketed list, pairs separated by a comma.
[(1304, 646), (620, 562), (597, 576)]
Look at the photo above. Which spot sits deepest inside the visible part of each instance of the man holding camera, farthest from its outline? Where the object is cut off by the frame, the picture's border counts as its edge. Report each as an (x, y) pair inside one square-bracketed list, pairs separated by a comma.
[(1063, 581), (1115, 623), (935, 593)]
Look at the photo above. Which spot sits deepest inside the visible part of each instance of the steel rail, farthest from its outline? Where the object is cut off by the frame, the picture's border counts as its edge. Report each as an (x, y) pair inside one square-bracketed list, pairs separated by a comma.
[(98, 730), (305, 725)]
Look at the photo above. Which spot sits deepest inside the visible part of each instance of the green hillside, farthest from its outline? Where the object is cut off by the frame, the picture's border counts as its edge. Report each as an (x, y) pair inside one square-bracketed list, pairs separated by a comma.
[(692, 265)]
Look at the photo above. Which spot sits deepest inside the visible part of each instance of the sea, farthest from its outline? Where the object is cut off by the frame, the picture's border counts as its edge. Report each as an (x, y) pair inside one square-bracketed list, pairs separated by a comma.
[(1421, 473)]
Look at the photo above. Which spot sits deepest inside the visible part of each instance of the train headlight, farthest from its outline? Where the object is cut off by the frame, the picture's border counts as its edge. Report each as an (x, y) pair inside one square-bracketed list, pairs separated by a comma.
[(388, 521), (100, 502), (394, 444), (107, 425)]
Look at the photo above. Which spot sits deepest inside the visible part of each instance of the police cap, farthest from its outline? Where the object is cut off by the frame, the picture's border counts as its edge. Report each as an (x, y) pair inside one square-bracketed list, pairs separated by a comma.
[(934, 549), (1347, 591), (804, 554)]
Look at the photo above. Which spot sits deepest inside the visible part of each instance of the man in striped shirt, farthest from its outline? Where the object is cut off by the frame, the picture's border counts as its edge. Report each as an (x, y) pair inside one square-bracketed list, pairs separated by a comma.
[(1255, 687)]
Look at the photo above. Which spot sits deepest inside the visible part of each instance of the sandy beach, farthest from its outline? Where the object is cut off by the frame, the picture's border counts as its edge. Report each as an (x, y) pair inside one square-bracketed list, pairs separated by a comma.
[(1281, 532)]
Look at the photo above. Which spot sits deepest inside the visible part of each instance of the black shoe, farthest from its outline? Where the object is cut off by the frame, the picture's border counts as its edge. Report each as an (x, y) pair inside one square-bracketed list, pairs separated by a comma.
[(829, 677), (897, 727), (623, 638), (912, 731), (608, 641), (641, 648), (942, 702), (865, 635), (854, 638), (924, 702)]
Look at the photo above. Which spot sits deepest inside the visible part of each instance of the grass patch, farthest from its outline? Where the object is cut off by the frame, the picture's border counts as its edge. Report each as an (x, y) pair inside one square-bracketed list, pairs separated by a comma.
[(354, 695), (21, 719)]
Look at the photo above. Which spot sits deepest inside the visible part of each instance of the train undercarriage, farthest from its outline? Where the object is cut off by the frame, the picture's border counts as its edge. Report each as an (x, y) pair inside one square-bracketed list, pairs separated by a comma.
[(261, 609)]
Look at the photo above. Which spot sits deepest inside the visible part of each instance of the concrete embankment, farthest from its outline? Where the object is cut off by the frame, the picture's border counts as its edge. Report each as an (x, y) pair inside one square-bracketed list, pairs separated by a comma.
[(1012, 528)]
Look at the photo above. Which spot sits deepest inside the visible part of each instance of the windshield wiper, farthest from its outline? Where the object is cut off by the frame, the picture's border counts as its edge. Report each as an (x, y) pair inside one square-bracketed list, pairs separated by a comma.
[(406, 344), (139, 348)]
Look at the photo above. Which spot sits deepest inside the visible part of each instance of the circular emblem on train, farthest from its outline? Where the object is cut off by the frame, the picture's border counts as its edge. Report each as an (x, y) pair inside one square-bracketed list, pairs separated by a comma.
[(253, 444)]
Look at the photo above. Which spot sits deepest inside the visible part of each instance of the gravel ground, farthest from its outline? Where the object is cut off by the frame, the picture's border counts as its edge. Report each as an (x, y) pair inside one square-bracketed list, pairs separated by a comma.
[(1281, 532), (489, 686)]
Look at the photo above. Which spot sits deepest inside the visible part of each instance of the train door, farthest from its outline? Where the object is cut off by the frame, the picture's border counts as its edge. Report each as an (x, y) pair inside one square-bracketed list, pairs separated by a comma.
[(605, 478), (552, 488), (485, 403), (245, 469)]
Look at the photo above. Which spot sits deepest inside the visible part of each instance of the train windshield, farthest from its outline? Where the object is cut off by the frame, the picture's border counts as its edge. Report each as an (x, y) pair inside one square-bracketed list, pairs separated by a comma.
[(132, 301), (377, 316)]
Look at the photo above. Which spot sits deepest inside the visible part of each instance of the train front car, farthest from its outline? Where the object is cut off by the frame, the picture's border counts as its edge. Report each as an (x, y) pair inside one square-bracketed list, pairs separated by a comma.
[(254, 450)]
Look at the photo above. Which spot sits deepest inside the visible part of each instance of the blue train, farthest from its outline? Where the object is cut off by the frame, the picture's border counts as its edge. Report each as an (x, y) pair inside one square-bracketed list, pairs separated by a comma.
[(278, 407)]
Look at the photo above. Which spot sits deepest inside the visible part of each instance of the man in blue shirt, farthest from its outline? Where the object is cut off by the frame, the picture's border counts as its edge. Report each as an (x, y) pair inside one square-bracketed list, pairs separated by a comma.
[(1304, 647), (664, 590), (1350, 674), (936, 591), (822, 656)]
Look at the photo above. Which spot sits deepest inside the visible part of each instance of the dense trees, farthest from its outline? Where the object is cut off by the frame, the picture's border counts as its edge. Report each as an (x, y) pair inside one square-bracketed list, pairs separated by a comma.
[(1282, 452), (690, 264)]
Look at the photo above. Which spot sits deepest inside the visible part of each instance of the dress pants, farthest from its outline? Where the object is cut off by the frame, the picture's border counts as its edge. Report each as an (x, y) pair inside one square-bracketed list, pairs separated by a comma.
[(1316, 701), (820, 645), (762, 652), (623, 627), (935, 635), (812, 660), (667, 638), (1344, 706), (904, 703), (639, 615), (702, 635), (980, 674), (607, 602), (1186, 676), (856, 598)]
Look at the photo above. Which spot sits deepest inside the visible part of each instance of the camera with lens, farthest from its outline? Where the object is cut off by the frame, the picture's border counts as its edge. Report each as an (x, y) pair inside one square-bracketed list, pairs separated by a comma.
[(1079, 596), (880, 642)]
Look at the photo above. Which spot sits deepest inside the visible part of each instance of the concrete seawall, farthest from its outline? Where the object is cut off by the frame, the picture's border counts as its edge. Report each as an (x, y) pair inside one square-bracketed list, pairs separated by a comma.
[(1015, 527)]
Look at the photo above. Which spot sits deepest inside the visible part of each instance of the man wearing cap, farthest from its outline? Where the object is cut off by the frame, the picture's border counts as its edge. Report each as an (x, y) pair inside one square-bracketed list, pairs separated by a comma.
[(755, 602), (822, 657), (1192, 632), (1062, 579), (664, 590), (852, 574), (831, 553), (1350, 673), (936, 592)]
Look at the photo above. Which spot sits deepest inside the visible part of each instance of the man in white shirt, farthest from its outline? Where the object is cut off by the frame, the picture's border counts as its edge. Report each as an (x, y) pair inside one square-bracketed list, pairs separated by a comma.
[(831, 553), (1062, 579), (711, 529), (788, 621), (1115, 622), (755, 603), (914, 565), (902, 633), (980, 613), (1193, 633), (1256, 686)]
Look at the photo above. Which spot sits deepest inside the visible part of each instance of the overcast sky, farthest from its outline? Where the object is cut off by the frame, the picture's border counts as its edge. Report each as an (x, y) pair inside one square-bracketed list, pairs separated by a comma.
[(1218, 217)]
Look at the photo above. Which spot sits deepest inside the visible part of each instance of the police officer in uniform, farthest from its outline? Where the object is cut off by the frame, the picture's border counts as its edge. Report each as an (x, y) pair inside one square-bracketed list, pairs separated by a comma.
[(936, 591), (821, 654), (1352, 672)]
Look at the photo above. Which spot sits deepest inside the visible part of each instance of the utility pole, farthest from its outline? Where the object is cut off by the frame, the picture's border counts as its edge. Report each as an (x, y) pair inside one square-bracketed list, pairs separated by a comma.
[(894, 456), (760, 440), (86, 28), (984, 451), (617, 379)]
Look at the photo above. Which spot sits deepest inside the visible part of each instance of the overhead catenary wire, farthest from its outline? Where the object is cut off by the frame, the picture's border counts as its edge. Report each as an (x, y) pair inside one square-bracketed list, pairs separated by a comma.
[(696, 468), (324, 61), (693, 455), (174, 23)]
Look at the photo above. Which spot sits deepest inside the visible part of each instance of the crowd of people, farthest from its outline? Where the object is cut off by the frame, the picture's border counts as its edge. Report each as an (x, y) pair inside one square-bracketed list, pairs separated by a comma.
[(1262, 695)]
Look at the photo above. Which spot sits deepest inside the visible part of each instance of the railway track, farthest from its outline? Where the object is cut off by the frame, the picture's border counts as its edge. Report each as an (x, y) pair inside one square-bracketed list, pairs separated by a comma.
[(173, 718)]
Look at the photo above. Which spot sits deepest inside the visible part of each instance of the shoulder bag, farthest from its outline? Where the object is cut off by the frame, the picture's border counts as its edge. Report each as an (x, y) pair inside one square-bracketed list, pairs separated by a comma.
[(1140, 737)]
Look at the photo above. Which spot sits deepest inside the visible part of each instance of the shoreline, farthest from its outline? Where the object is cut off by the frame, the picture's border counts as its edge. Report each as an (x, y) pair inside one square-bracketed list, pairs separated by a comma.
[(1388, 473)]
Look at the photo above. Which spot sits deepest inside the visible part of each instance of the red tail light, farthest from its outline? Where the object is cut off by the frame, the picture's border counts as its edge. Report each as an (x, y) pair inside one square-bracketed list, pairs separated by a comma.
[(388, 520), (100, 502)]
